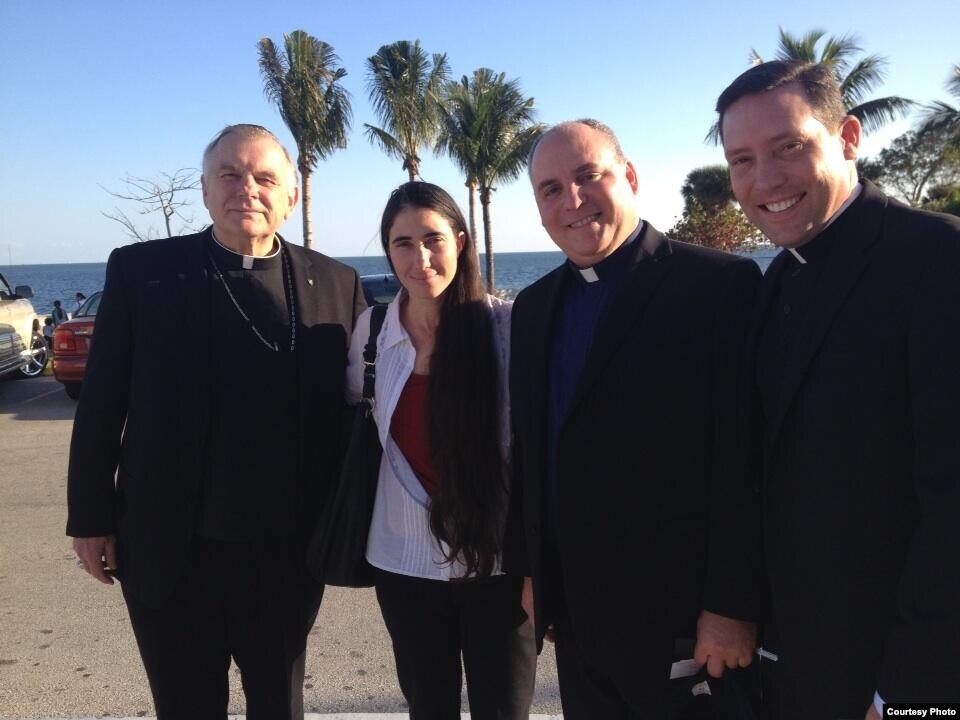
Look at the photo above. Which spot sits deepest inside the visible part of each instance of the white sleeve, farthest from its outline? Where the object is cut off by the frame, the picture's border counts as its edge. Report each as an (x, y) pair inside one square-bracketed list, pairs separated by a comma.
[(353, 387)]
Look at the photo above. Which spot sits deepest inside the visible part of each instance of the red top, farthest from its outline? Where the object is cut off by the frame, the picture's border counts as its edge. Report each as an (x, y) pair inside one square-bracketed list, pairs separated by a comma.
[(409, 430)]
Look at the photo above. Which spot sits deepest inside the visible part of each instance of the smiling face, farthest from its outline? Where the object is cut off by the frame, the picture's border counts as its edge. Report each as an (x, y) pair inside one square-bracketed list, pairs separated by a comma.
[(585, 193), (249, 189), (789, 172), (424, 249)]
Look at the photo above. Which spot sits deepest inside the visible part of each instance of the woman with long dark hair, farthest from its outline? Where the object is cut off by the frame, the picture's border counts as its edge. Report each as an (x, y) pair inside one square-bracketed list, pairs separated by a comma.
[(442, 410)]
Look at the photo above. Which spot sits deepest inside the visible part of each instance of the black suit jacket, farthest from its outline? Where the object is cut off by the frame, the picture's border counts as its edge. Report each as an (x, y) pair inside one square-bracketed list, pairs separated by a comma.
[(655, 503), (136, 457), (861, 467)]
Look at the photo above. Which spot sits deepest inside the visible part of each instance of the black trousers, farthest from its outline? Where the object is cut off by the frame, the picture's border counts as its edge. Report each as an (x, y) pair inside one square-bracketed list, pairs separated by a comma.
[(587, 692), (234, 600), (433, 622)]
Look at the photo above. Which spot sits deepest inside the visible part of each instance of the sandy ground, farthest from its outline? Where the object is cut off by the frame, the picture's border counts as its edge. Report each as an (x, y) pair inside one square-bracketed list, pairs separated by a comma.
[(66, 648)]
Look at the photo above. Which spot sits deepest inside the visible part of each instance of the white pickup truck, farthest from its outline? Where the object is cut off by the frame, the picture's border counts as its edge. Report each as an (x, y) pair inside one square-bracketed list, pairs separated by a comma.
[(22, 347)]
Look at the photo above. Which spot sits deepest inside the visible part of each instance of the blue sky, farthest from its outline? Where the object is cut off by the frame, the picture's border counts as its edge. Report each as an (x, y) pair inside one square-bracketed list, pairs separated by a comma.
[(92, 91)]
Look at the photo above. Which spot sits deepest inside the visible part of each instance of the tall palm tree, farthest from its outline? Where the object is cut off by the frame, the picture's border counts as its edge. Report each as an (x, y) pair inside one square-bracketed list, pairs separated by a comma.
[(304, 83), (941, 114), (487, 129), (857, 78), (404, 86), (462, 115)]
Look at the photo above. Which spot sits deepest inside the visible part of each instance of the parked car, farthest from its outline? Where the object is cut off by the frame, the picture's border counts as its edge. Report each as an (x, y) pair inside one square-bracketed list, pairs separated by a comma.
[(379, 289), (22, 347), (71, 345)]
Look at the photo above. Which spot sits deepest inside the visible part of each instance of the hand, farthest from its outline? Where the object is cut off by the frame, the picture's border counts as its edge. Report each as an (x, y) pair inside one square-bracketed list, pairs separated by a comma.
[(526, 602), (97, 555), (872, 713), (526, 598), (723, 642)]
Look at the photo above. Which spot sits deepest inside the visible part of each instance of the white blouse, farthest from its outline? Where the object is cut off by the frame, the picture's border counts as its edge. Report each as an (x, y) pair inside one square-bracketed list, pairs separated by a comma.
[(400, 540)]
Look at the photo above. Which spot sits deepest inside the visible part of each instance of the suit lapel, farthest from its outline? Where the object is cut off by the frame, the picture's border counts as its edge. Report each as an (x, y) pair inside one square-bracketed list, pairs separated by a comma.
[(538, 338), (843, 269), (625, 310), (305, 289), (194, 279), (194, 338)]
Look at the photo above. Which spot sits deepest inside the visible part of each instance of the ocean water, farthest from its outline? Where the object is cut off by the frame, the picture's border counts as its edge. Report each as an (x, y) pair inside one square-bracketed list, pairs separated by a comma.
[(513, 272)]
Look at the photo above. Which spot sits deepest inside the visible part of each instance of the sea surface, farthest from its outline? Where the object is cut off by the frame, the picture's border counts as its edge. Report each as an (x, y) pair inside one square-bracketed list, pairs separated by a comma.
[(513, 272)]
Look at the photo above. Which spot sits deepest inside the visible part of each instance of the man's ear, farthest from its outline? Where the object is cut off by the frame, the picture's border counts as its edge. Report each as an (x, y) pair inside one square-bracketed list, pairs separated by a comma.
[(203, 190), (294, 199), (850, 131), (632, 177)]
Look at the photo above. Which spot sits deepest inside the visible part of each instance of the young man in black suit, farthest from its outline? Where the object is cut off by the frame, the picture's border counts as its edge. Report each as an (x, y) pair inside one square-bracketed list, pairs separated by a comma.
[(630, 505), (207, 432), (856, 399)]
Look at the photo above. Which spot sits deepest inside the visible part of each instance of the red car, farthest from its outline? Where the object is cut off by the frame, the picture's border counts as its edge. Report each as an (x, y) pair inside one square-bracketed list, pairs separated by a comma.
[(71, 344)]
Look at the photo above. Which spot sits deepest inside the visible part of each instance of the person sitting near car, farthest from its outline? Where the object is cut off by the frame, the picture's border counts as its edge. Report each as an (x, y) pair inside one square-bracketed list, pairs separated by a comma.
[(48, 332)]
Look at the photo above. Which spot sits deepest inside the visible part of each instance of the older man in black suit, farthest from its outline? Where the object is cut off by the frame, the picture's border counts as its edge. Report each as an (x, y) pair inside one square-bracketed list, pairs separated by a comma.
[(207, 432), (630, 491), (857, 405)]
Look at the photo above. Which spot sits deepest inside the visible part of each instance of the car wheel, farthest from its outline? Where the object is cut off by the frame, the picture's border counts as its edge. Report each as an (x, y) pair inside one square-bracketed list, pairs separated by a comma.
[(38, 362), (73, 390)]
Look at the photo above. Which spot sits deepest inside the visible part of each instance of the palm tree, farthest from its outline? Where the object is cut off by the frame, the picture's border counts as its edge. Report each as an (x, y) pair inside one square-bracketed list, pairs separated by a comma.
[(404, 86), (462, 113), (709, 187), (941, 114), (487, 129), (304, 83), (857, 79)]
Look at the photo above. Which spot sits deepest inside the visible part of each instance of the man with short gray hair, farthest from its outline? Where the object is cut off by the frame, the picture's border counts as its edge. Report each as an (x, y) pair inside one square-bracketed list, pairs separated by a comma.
[(207, 433)]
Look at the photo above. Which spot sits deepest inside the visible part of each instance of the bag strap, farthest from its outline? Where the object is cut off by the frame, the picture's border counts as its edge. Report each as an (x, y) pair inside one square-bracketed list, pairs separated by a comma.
[(370, 351)]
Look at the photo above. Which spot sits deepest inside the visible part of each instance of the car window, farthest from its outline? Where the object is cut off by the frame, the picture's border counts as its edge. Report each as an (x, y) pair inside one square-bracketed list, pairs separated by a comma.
[(379, 289), (89, 308)]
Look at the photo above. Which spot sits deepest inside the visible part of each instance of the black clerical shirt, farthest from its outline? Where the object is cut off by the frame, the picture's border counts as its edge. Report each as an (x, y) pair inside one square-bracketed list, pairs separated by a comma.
[(784, 325), (251, 443)]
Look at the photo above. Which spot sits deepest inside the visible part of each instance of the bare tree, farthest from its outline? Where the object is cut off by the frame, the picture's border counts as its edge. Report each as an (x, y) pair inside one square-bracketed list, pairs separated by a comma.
[(163, 194)]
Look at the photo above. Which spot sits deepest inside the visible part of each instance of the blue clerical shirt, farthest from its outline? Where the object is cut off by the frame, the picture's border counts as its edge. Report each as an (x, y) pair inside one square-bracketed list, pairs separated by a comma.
[(584, 296)]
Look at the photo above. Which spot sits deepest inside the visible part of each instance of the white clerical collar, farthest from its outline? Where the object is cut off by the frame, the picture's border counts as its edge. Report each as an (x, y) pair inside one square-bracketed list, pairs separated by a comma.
[(248, 260), (590, 275), (854, 194)]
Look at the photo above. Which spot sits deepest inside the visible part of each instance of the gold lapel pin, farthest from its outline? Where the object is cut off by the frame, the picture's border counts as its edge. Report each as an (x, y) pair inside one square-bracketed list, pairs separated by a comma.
[(309, 281)]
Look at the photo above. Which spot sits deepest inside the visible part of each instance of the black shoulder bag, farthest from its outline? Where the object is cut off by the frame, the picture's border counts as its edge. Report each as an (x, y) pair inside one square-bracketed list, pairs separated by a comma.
[(336, 553)]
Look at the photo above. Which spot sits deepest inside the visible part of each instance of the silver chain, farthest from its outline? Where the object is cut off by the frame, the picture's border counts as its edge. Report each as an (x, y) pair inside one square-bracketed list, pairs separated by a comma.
[(288, 288)]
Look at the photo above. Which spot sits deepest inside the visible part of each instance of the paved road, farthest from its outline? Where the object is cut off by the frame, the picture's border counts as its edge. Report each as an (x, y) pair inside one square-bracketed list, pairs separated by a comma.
[(66, 648)]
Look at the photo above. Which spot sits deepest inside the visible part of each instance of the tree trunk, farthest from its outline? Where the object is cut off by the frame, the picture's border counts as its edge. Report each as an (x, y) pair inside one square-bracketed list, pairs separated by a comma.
[(472, 201), (472, 190), (305, 208), (487, 236), (167, 214)]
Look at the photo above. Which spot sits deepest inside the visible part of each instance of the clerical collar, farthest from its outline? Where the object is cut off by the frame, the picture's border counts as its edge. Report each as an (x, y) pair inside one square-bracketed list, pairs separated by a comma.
[(813, 249), (235, 260), (611, 266)]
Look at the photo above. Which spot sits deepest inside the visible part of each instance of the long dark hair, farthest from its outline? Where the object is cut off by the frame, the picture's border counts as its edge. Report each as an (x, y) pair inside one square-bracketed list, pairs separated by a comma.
[(463, 397)]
